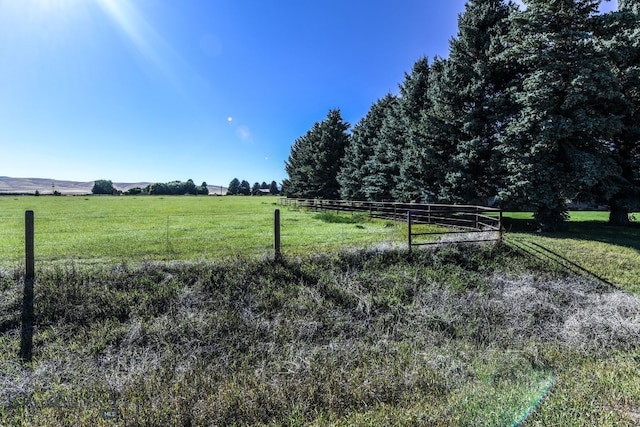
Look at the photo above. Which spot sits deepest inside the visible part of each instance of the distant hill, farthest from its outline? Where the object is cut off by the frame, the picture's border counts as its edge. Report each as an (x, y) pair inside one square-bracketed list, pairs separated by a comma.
[(48, 186)]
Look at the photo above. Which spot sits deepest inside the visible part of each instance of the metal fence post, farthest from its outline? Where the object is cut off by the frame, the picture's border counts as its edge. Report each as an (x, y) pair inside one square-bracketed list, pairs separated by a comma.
[(409, 228), (26, 335), (276, 235)]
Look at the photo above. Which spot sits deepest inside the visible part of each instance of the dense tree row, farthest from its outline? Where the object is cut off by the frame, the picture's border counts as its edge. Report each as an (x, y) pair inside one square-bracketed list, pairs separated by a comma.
[(237, 187), (533, 108), (176, 188)]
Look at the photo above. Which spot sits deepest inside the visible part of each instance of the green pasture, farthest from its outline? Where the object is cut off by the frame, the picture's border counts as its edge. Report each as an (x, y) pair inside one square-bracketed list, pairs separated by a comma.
[(609, 252), (114, 229), (109, 229)]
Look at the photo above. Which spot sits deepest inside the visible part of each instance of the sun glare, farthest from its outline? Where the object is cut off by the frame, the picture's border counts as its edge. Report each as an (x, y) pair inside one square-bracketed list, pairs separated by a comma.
[(47, 22), (136, 29)]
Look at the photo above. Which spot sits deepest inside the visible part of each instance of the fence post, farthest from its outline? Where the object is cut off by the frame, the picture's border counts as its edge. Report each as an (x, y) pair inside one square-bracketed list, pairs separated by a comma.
[(409, 228), (26, 335), (477, 214), (276, 235), (500, 224)]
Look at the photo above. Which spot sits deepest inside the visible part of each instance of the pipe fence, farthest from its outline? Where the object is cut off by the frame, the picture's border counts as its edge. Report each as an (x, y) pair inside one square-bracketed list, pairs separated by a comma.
[(468, 223)]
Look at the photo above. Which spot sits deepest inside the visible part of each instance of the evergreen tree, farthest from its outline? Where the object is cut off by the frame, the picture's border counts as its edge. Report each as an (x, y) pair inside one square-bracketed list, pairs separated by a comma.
[(383, 166), (630, 6), (190, 187), (273, 188), (316, 158), (414, 154), (360, 149), (381, 163), (234, 187), (245, 188), (552, 145), (474, 104), (255, 189), (620, 39), (437, 131)]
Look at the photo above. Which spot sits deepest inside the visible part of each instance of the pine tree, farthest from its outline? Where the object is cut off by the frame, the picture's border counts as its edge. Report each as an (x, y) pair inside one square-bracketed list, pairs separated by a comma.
[(245, 188), (234, 187), (476, 84), (273, 188), (355, 167), (316, 158), (619, 37), (413, 174), (632, 6), (552, 145), (383, 165), (437, 131)]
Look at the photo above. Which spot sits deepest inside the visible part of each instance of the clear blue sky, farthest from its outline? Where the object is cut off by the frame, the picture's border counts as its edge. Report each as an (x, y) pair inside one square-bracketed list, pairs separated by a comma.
[(159, 90)]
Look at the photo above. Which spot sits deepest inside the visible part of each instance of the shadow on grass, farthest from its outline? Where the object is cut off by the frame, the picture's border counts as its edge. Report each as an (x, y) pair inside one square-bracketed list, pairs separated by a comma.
[(545, 254), (594, 230)]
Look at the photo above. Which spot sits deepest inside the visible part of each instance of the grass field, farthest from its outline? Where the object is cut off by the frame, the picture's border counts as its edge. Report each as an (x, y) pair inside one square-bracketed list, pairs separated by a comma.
[(609, 252), (111, 229), (482, 335)]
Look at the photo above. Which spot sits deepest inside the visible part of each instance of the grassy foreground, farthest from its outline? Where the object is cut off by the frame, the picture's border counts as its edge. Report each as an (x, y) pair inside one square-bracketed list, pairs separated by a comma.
[(455, 335)]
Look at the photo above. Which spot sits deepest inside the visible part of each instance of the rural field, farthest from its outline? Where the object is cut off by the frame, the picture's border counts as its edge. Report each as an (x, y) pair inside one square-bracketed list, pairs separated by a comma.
[(113, 229), (172, 311)]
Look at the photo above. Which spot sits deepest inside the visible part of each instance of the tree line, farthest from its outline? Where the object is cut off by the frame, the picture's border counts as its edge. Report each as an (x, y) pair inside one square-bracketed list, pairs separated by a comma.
[(533, 109), (237, 187), (179, 188), (172, 188)]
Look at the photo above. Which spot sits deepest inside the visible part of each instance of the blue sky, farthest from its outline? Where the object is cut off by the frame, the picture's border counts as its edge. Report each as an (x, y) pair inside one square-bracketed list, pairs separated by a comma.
[(209, 90)]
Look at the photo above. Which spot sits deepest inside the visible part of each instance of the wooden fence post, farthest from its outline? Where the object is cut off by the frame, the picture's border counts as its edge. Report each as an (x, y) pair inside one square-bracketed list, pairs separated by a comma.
[(26, 335), (276, 235)]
